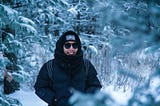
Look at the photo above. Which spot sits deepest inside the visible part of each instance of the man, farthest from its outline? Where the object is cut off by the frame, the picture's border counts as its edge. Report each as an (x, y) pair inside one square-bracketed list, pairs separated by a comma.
[(69, 70)]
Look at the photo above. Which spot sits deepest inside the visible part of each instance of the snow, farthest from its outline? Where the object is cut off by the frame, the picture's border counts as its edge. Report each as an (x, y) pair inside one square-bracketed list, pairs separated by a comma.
[(73, 11), (28, 98), (119, 95), (26, 20)]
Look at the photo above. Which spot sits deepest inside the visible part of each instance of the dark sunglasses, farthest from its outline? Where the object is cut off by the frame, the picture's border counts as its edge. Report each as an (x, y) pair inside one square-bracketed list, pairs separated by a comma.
[(68, 45)]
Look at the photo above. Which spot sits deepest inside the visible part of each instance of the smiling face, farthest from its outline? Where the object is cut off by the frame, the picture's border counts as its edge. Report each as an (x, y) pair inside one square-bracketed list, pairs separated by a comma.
[(70, 48)]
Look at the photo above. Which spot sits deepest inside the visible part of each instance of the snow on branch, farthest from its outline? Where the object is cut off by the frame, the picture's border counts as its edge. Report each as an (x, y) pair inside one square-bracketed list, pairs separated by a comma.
[(7, 14), (25, 20), (25, 28), (11, 17)]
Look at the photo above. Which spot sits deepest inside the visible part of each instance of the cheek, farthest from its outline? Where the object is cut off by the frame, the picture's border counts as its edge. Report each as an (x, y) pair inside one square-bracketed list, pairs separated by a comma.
[(76, 50), (70, 51), (64, 50)]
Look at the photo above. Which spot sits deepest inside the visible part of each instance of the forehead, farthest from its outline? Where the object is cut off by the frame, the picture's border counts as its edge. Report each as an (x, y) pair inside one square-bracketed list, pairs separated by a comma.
[(70, 42)]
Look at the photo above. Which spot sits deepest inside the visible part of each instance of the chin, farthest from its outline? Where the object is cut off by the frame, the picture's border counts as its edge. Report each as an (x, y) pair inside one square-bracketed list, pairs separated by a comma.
[(71, 54)]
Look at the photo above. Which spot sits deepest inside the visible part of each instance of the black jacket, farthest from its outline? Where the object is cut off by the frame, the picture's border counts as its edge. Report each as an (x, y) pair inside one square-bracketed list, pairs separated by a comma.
[(58, 91), (69, 72)]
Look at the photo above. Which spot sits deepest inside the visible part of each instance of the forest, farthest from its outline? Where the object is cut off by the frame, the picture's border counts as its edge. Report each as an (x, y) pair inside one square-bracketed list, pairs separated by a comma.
[(120, 37)]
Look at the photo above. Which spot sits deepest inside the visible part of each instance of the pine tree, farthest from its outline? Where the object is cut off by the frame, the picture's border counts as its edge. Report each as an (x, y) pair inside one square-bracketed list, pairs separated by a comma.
[(10, 25)]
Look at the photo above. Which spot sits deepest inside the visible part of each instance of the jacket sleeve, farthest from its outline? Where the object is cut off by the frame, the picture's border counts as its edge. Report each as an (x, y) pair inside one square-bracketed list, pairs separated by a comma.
[(92, 83), (43, 87)]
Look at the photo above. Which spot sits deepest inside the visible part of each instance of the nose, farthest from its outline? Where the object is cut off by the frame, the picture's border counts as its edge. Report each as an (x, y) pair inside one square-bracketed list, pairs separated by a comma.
[(71, 47)]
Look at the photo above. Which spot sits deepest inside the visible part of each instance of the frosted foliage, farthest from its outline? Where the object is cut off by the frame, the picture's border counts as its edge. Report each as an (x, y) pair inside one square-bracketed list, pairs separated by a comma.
[(128, 48), (11, 17), (143, 95), (21, 76), (32, 63), (148, 94), (25, 20), (98, 99), (24, 27), (13, 26), (128, 34), (7, 14), (7, 101), (3, 60), (1, 75), (73, 11)]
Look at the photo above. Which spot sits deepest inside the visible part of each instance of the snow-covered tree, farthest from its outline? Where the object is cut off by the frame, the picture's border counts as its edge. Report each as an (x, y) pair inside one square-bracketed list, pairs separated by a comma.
[(129, 45), (12, 26)]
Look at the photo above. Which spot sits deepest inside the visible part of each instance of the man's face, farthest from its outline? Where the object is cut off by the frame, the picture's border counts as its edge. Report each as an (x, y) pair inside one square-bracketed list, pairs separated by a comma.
[(70, 48)]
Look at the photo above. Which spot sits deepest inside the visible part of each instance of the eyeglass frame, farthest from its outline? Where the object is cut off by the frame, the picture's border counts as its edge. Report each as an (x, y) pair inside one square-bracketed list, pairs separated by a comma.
[(68, 45)]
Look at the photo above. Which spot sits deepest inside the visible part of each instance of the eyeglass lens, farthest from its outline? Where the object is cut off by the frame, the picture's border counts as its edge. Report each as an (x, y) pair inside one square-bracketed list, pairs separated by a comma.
[(68, 45)]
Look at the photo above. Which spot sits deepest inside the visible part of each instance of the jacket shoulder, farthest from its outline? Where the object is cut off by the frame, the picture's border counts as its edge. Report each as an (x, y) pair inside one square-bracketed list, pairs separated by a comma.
[(50, 61), (50, 68), (86, 61), (45, 69)]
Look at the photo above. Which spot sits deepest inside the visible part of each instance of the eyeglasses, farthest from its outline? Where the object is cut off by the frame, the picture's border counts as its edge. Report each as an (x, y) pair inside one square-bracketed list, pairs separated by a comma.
[(68, 45)]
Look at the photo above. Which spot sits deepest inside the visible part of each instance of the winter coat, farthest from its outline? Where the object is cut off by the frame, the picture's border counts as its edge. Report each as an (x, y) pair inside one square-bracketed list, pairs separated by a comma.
[(68, 72), (58, 91)]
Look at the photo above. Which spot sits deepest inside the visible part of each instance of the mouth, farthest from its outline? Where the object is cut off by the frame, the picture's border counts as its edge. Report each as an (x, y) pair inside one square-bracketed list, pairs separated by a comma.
[(71, 53)]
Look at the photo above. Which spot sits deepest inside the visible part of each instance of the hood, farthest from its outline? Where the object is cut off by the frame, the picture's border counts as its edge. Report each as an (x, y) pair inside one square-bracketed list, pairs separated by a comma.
[(62, 40), (72, 63)]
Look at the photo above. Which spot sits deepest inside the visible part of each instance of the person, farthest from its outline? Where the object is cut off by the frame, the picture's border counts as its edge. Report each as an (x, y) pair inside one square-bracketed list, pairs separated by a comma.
[(68, 72)]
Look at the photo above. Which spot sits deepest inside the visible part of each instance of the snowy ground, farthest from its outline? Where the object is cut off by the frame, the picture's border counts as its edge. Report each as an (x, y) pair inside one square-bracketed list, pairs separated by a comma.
[(119, 95), (28, 98)]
